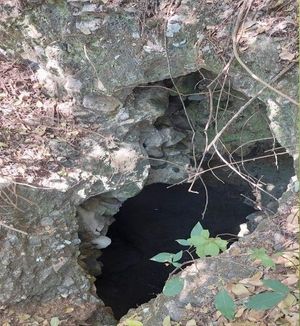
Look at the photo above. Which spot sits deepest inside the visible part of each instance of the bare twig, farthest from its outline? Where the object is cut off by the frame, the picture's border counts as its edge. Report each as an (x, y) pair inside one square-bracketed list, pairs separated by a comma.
[(250, 72), (12, 228)]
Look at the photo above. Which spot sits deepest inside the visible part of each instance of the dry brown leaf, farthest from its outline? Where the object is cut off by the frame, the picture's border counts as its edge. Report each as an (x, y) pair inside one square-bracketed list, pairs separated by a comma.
[(287, 55), (40, 130), (244, 323), (234, 251), (288, 302), (291, 279), (69, 310), (275, 314), (254, 280), (23, 317), (292, 223), (293, 319), (254, 315), (240, 312), (191, 322), (288, 259), (240, 290)]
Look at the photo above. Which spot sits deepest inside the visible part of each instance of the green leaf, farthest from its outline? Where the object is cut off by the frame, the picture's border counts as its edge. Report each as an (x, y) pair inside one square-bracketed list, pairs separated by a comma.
[(132, 322), (163, 257), (197, 229), (54, 321), (183, 242), (222, 244), (260, 253), (173, 286), (225, 304), (205, 234), (265, 300), (200, 252), (276, 286), (177, 265), (197, 241), (177, 256), (211, 249)]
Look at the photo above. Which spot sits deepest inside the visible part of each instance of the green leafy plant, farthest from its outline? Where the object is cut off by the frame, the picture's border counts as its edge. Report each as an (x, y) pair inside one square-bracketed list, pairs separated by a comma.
[(204, 246), (260, 254), (262, 301), (225, 304), (201, 242), (166, 257), (268, 299), (173, 286)]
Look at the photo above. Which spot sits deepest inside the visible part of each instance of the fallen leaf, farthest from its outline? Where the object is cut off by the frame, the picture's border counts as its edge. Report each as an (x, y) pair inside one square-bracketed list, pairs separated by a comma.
[(69, 310), (293, 319), (254, 280), (287, 55), (188, 306), (240, 312), (290, 280), (244, 323), (167, 321), (23, 317), (191, 322), (240, 290), (288, 302), (254, 315)]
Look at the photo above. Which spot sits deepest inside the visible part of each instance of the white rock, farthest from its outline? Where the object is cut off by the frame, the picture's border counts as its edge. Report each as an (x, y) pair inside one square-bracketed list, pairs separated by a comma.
[(101, 242), (243, 230)]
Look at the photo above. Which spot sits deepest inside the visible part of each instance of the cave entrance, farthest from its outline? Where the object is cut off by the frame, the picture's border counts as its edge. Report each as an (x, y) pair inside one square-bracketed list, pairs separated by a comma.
[(149, 223), (119, 235)]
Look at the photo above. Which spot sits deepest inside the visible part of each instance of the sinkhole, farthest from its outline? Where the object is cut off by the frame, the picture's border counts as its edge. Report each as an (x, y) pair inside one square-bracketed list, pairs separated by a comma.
[(148, 224), (119, 234)]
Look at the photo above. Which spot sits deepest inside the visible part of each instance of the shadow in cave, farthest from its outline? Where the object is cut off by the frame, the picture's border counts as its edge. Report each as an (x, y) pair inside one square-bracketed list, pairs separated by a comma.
[(148, 224)]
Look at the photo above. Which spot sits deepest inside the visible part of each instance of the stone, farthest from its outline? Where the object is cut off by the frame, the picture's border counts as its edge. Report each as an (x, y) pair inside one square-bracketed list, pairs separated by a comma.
[(100, 103), (91, 57), (170, 136), (101, 242)]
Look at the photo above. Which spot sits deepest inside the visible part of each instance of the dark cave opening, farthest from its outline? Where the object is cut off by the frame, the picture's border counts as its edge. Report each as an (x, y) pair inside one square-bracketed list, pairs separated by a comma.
[(148, 224)]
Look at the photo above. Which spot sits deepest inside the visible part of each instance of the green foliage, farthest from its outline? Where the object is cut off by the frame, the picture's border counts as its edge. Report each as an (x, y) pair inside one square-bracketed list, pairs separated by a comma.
[(173, 286), (268, 299), (276, 286), (265, 300), (260, 254), (54, 321), (183, 242), (197, 229), (166, 257), (205, 246), (225, 304)]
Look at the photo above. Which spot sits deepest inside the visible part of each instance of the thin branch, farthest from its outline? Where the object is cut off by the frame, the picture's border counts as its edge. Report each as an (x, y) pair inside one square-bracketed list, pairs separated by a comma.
[(250, 72), (12, 228)]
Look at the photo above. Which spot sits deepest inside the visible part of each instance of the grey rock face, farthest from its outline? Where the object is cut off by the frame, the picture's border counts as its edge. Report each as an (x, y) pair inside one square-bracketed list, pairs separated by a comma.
[(97, 58)]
